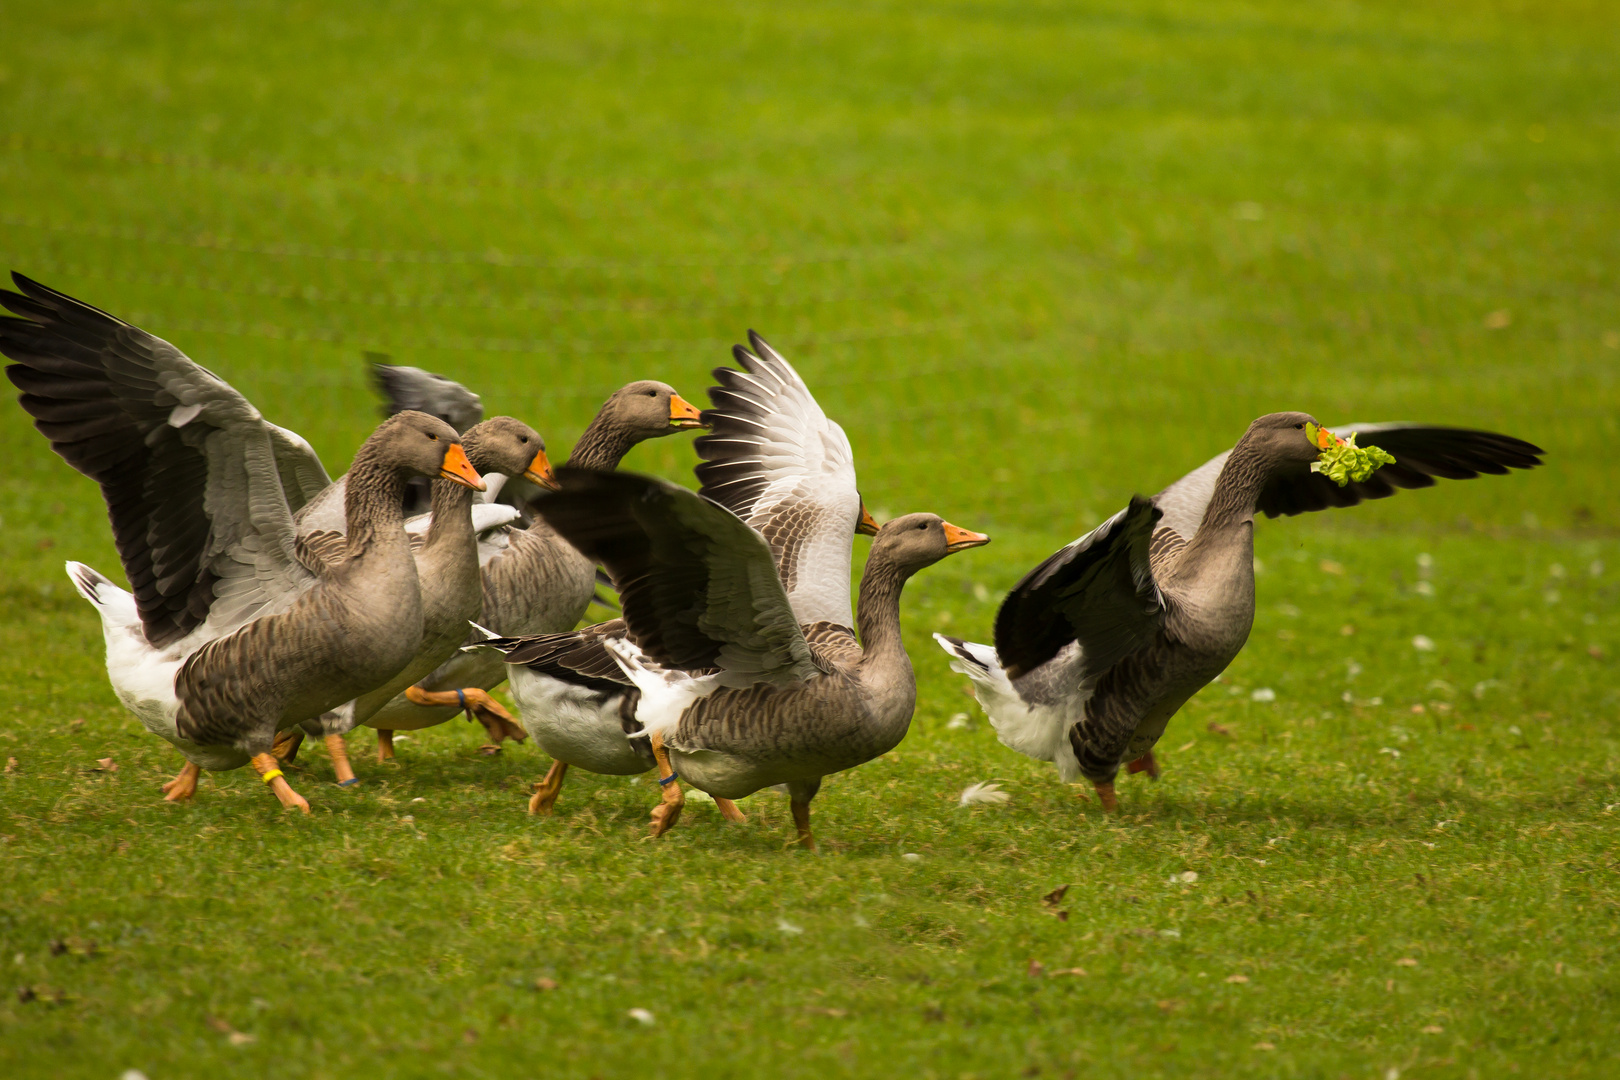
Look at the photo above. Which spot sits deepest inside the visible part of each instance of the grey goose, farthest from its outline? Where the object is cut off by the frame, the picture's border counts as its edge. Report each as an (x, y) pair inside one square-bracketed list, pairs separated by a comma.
[(234, 628), (774, 459), (734, 696), (1100, 645)]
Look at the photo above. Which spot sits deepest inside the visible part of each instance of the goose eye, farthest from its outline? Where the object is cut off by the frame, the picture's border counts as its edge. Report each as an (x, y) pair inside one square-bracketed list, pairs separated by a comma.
[(1300, 426), (652, 393), (432, 436)]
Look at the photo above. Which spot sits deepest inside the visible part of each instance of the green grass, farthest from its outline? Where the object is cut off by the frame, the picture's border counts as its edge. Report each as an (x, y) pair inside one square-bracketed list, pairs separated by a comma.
[(1035, 257)]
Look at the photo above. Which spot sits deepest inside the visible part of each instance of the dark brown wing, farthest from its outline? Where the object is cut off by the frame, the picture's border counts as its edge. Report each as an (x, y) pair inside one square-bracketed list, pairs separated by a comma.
[(1098, 591)]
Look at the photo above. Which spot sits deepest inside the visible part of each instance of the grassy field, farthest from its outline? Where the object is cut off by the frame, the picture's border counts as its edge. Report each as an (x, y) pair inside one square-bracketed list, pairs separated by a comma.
[(1034, 257)]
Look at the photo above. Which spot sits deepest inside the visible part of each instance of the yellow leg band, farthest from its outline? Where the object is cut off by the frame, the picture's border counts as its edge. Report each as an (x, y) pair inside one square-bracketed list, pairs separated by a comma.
[(271, 775)]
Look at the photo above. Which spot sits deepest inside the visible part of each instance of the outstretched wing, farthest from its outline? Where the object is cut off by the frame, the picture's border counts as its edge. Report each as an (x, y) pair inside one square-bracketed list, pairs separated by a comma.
[(1422, 452), (413, 388), (776, 461), (697, 585), (1098, 591), (191, 473)]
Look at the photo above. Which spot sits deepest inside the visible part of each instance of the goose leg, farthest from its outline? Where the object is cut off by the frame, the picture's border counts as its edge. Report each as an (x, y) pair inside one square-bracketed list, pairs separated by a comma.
[(479, 706), (729, 811), (668, 811), (1105, 795), (338, 751), (286, 745), (270, 772), (184, 786), (799, 796), (547, 790), (385, 745), (1146, 764)]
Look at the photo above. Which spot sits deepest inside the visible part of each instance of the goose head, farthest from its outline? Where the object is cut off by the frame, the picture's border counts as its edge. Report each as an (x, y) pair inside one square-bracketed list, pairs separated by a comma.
[(649, 409), (915, 541), (1289, 439), (421, 445), (510, 448)]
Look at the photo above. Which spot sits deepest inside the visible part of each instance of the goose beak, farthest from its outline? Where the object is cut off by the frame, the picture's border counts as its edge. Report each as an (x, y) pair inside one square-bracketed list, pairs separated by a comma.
[(960, 539), (1321, 437), (539, 471), (683, 414), (868, 525), (456, 467)]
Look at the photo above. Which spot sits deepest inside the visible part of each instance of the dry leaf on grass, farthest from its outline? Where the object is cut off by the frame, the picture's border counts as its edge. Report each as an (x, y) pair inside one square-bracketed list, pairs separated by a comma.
[(105, 764), (1219, 729), (1055, 897), (12, 764), (1406, 961), (1055, 972), (543, 983), (1237, 978), (1035, 969)]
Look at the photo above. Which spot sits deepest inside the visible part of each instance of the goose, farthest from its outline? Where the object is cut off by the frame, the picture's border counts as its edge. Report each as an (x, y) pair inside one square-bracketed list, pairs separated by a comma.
[(448, 572), (235, 627), (1100, 645), (533, 581), (774, 459), (700, 590)]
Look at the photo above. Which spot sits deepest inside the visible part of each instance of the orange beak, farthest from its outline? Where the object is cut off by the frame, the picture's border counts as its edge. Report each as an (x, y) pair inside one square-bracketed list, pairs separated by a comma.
[(456, 467), (1321, 437), (868, 525), (959, 539), (683, 414), (539, 471)]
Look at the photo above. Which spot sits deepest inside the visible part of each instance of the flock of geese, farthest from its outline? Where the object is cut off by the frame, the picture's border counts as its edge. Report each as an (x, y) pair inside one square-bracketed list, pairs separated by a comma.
[(269, 603)]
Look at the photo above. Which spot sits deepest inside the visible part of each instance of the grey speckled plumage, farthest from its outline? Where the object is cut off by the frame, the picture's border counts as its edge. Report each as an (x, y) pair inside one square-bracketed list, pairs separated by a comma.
[(1099, 646)]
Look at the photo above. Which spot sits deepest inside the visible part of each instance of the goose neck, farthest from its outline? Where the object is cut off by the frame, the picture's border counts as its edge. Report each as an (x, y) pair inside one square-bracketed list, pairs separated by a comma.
[(452, 514), (1237, 489), (603, 444), (373, 504), (877, 615)]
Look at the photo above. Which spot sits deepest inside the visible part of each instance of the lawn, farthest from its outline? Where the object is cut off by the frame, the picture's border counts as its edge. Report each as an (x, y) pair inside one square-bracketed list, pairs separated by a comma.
[(1034, 257)]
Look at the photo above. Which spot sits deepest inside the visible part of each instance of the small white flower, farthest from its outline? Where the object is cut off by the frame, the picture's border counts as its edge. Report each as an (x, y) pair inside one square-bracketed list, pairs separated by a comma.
[(1423, 643), (1170, 933), (987, 793), (1424, 588), (860, 921), (912, 856), (1265, 693), (1481, 687), (132, 1074), (1556, 570), (981, 593), (1390, 750), (1513, 729), (1552, 596), (408, 818), (958, 721), (1425, 561), (1375, 700), (788, 928), (1188, 876), (641, 1016), (419, 799)]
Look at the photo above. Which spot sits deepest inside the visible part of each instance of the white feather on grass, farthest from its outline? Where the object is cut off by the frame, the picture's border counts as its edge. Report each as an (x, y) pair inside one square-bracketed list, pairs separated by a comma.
[(988, 794)]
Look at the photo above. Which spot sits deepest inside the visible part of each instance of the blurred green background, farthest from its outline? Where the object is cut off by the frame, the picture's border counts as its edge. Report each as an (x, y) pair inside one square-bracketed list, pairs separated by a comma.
[(1033, 256)]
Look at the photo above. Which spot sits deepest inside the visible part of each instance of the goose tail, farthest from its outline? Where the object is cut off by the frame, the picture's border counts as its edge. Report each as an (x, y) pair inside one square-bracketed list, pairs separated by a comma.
[(116, 606), (665, 695), (1037, 731)]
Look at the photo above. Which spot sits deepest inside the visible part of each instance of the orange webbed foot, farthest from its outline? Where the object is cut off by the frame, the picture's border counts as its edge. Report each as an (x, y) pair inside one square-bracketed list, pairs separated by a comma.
[(183, 786)]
